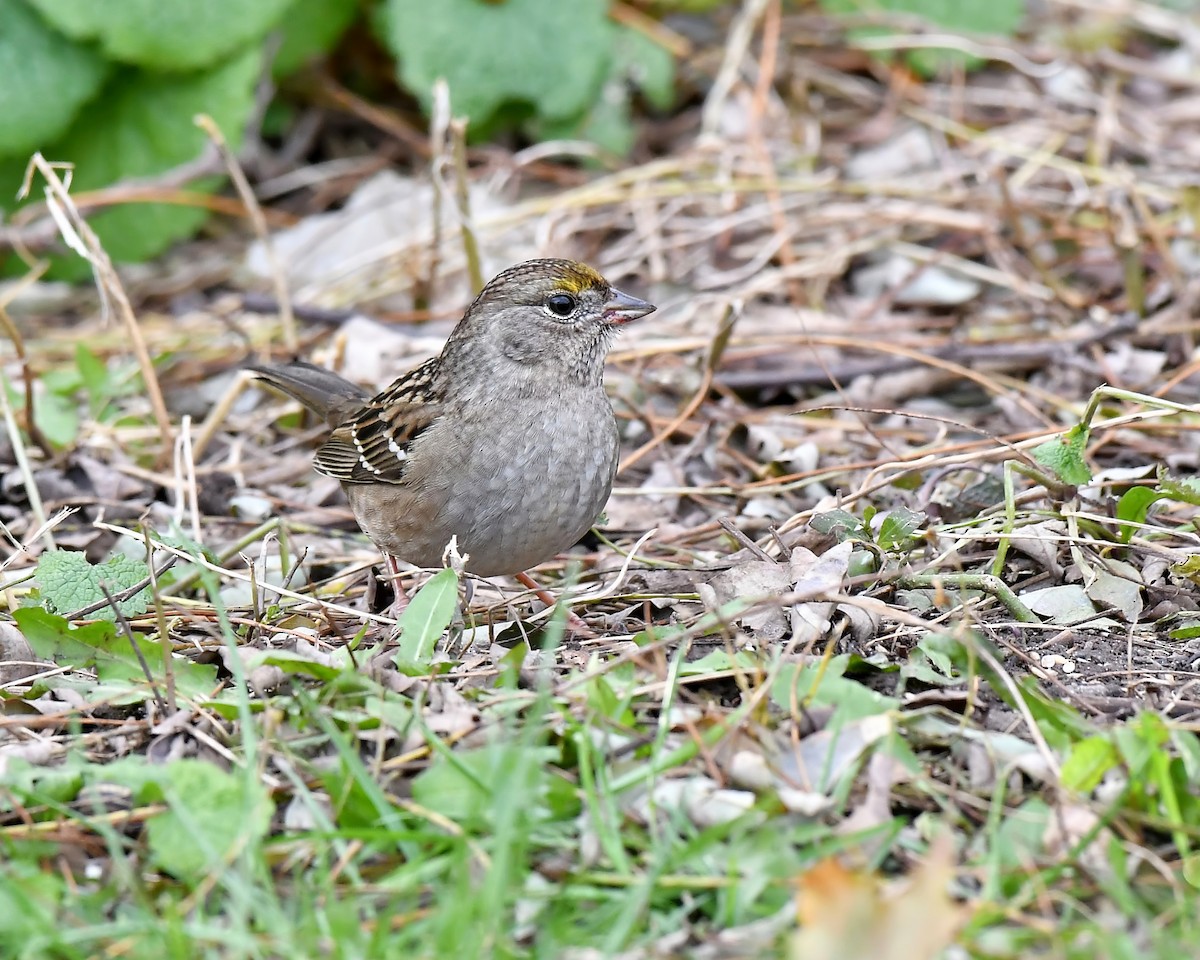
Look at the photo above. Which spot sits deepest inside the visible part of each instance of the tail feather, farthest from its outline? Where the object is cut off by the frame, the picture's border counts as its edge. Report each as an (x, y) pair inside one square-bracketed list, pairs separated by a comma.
[(333, 398)]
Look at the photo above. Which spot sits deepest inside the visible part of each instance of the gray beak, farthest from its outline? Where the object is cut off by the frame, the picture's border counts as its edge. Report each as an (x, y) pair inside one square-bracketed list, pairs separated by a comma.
[(621, 308)]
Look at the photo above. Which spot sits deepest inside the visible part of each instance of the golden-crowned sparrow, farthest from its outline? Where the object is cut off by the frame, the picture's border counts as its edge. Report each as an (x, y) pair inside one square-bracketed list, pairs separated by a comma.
[(506, 440)]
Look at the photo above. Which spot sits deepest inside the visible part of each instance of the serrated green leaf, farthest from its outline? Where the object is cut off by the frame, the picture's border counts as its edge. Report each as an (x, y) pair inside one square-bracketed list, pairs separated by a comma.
[(47, 78), (548, 54), (147, 127), (1186, 490), (68, 581), (1063, 455), (171, 35), (426, 617)]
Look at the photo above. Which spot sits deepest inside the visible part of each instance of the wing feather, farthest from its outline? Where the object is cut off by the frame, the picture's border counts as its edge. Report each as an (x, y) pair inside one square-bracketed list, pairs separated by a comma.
[(372, 445)]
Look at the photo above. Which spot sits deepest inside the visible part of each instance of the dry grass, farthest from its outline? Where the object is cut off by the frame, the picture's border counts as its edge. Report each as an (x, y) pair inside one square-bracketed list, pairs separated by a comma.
[(879, 297)]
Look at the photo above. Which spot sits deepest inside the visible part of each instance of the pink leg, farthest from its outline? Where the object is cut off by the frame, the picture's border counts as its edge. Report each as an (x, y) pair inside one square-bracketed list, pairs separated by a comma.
[(400, 598), (574, 623)]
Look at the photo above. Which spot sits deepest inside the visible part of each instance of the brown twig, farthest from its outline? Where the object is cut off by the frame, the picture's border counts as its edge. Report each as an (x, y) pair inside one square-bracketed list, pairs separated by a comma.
[(18, 342), (259, 223), (83, 240)]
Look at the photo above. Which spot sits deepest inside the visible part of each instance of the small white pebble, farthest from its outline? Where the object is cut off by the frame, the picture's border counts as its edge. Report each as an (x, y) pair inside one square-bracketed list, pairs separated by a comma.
[(1054, 661)]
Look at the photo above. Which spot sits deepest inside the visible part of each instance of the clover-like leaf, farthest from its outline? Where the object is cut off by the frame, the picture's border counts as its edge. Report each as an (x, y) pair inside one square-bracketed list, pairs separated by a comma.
[(47, 78), (165, 34)]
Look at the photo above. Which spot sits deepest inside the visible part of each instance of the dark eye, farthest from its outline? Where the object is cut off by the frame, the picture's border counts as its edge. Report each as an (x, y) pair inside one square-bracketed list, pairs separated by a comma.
[(561, 304)]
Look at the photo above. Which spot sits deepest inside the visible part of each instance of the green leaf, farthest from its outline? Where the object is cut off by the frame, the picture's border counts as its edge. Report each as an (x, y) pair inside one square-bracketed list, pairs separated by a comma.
[(817, 684), (1063, 455), (426, 617), (897, 528), (31, 902), (173, 35), (1190, 630), (147, 127), (466, 785), (47, 78), (97, 646), (1087, 763), (840, 524), (1186, 490), (1134, 506), (68, 581), (57, 417), (637, 63), (311, 29), (211, 815), (980, 17), (548, 54)]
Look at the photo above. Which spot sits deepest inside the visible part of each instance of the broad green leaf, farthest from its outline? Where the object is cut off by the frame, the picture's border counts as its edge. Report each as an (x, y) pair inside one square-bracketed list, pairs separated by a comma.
[(1189, 568), (1190, 630), (840, 524), (31, 900), (931, 663), (26, 783), (548, 54), (637, 63), (979, 17), (426, 617), (211, 815), (174, 35), (57, 417), (47, 78), (468, 785), (1087, 763), (1063, 455), (97, 646), (1134, 506), (896, 529), (145, 127), (68, 581), (310, 29), (1060, 723), (824, 684)]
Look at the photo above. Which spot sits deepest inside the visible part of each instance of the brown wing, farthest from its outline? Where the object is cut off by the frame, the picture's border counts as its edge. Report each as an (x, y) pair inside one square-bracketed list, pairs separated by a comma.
[(372, 445)]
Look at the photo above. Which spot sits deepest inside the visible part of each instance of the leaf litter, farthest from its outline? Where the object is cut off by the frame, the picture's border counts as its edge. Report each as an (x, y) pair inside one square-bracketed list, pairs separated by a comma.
[(884, 309)]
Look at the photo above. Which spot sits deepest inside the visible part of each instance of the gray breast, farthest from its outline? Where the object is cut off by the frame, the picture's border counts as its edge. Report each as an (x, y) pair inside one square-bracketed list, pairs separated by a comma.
[(517, 495)]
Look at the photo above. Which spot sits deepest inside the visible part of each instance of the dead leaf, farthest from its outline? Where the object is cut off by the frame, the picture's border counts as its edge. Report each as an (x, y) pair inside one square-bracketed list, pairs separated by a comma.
[(847, 915)]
